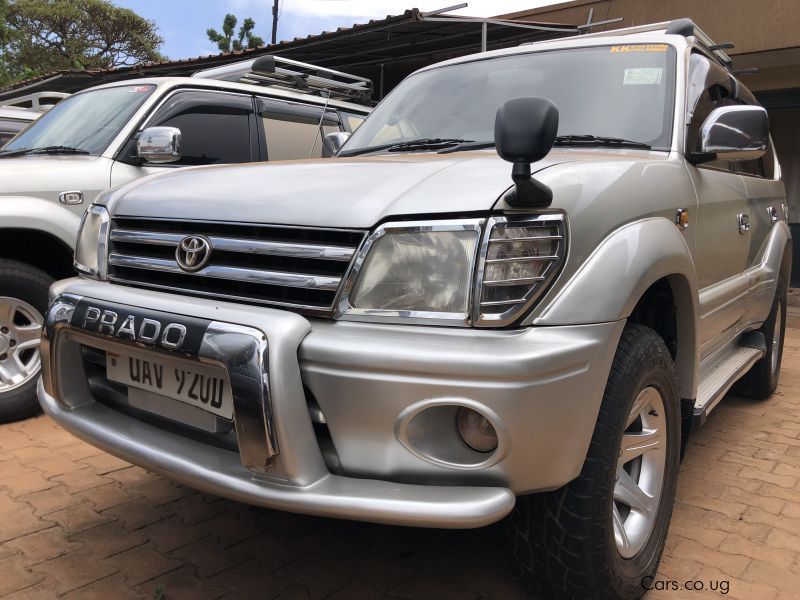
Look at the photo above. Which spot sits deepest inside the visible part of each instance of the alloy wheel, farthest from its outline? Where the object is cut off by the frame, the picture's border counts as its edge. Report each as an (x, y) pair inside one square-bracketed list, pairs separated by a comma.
[(20, 336), (640, 473)]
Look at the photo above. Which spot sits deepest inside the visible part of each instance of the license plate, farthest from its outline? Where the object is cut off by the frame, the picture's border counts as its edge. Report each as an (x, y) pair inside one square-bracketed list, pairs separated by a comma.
[(201, 385)]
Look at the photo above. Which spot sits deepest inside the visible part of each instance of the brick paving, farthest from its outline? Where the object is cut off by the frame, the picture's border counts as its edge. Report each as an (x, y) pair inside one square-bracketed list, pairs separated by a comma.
[(78, 523)]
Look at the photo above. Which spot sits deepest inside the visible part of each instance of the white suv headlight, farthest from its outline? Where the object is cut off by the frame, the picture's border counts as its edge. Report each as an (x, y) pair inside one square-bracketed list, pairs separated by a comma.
[(91, 251), (414, 271), (483, 272)]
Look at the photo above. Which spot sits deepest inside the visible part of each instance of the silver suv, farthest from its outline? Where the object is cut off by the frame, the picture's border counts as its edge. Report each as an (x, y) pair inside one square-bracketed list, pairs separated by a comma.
[(406, 335), (261, 109)]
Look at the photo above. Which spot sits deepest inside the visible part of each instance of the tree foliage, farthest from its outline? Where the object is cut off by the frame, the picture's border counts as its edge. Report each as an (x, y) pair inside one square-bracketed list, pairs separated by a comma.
[(40, 36), (227, 41)]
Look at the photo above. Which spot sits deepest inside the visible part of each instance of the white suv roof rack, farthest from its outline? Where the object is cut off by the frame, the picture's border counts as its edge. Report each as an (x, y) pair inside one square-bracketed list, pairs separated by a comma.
[(684, 27), (40, 101), (274, 71)]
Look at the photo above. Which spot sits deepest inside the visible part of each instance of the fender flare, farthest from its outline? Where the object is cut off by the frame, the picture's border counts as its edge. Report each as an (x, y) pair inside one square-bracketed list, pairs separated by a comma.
[(607, 286), (774, 263), (29, 212)]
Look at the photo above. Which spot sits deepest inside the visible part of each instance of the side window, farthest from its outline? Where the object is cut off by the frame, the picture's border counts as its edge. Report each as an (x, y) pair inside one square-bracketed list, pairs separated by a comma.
[(709, 87), (9, 128), (215, 126), (760, 167), (351, 121), (293, 130)]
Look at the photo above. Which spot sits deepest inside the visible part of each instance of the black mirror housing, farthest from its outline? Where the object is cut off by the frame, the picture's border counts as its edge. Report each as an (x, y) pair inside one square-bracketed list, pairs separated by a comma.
[(525, 130)]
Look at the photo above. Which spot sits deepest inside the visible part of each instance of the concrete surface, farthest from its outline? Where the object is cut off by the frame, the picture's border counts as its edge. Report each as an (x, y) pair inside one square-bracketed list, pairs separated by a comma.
[(78, 523)]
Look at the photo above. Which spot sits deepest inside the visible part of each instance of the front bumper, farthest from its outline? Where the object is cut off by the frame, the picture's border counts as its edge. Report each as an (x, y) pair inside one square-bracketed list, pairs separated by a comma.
[(541, 388)]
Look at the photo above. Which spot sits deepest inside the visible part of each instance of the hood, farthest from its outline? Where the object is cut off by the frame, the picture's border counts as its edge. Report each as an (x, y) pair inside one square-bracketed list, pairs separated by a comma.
[(344, 192), (49, 175)]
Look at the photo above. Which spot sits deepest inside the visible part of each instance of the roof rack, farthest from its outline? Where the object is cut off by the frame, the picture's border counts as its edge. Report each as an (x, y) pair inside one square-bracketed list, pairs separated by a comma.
[(684, 27), (40, 101), (275, 71)]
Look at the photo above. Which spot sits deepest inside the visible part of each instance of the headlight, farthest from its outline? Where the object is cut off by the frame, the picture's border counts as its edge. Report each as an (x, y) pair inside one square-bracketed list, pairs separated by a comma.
[(411, 271), (425, 272), (91, 258)]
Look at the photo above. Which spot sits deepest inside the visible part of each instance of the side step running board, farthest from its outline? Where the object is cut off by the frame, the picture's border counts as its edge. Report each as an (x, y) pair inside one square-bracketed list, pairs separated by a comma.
[(723, 369)]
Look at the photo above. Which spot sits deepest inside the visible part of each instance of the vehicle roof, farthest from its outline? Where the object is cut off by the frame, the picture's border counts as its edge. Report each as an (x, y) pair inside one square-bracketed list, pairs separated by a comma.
[(262, 90), (19, 114), (650, 37)]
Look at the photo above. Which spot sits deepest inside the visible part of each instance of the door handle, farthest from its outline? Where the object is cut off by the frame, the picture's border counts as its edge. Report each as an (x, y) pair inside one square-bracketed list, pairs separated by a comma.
[(744, 223), (773, 214)]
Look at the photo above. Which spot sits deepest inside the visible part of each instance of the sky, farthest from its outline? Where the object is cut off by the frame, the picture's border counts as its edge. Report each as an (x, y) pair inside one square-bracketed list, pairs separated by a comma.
[(183, 23)]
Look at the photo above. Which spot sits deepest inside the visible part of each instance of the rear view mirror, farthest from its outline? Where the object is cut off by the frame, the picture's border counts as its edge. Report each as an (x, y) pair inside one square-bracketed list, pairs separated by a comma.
[(159, 145), (733, 133), (332, 142), (524, 132)]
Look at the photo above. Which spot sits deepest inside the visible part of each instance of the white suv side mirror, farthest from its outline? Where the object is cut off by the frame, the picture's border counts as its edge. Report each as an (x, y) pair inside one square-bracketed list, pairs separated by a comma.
[(332, 142), (159, 145)]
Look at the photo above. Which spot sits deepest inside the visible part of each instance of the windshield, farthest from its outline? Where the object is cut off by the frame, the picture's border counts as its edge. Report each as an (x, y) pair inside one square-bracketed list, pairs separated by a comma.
[(86, 122), (610, 91)]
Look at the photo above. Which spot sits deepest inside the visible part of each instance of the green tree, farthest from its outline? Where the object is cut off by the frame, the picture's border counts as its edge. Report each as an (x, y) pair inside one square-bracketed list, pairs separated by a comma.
[(227, 41), (40, 36)]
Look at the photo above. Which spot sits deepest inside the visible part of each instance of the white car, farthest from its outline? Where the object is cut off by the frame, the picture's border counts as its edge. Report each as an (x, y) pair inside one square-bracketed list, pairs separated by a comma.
[(257, 110)]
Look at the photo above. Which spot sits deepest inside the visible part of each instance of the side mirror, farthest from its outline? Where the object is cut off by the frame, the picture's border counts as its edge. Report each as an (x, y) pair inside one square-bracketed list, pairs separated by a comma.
[(332, 142), (524, 132), (159, 145), (733, 133)]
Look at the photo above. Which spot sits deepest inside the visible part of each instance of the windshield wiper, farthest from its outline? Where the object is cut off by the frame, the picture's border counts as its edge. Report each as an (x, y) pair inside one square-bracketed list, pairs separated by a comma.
[(418, 144), (467, 146), (426, 144), (598, 140), (45, 150)]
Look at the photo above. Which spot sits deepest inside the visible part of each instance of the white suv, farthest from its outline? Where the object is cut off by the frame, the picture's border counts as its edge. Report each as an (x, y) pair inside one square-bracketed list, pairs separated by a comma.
[(257, 110)]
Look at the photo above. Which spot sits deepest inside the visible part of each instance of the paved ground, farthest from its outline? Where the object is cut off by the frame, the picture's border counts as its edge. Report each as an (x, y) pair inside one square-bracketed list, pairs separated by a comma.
[(79, 523)]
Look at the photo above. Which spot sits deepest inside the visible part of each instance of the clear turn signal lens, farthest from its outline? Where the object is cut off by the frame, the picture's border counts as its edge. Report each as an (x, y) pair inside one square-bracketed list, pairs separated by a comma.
[(522, 256)]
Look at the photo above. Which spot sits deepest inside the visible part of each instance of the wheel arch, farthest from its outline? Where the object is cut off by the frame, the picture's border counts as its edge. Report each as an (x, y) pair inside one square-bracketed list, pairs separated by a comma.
[(624, 271), (38, 232)]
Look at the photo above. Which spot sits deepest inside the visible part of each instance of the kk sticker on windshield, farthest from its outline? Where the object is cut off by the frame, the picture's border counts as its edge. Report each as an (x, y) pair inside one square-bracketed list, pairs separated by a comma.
[(639, 48), (643, 76)]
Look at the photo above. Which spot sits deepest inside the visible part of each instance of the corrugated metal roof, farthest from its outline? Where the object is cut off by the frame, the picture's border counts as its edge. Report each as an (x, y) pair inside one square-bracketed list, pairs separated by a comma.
[(386, 50)]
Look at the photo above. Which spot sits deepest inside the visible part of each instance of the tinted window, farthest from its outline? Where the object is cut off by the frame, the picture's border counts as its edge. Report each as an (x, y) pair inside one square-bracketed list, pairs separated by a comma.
[(215, 126), (88, 121), (9, 128), (709, 87), (764, 166), (293, 130)]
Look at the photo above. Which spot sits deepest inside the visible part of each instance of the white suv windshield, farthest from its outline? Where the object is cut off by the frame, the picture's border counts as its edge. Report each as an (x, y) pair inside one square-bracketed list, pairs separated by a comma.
[(604, 91), (84, 123)]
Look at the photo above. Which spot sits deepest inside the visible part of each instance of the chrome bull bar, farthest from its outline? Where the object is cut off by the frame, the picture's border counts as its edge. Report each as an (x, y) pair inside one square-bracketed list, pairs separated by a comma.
[(242, 351)]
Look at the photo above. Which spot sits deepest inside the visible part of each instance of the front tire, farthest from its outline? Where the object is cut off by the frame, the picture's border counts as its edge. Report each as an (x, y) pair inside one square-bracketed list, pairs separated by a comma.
[(602, 535), (23, 302)]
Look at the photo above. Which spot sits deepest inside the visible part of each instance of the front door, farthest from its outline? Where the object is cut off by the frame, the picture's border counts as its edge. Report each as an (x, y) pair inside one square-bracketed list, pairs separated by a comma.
[(723, 233)]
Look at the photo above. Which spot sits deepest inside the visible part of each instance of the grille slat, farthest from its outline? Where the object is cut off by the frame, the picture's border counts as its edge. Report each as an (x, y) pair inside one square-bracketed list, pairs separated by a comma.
[(293, 267), (248, 246)]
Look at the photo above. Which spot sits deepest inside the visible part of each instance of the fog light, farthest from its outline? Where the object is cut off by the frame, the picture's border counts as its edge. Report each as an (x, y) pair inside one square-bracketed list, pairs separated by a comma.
[(476, 430)]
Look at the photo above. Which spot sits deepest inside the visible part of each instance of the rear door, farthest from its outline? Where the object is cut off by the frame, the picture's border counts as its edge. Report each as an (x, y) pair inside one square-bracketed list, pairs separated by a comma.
[(722, 240), (292, 130)]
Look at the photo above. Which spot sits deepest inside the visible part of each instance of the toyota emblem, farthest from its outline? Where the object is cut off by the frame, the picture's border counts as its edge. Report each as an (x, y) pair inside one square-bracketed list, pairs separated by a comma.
[(193, 253)]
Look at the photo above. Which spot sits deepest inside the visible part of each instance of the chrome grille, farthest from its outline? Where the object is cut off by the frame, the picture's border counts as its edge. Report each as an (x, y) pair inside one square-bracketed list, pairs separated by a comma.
[(298, 267)]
